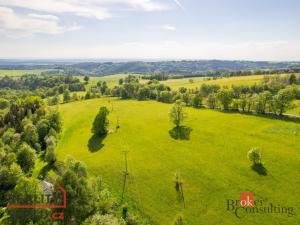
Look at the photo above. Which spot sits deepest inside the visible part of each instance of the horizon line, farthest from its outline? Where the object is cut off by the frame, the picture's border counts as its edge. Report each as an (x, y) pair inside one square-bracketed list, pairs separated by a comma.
[(92, 59)]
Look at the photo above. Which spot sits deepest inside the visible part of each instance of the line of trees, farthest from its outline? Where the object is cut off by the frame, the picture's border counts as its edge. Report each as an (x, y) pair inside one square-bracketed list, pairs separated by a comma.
[(160, 76), (42, 85), (274, 95)]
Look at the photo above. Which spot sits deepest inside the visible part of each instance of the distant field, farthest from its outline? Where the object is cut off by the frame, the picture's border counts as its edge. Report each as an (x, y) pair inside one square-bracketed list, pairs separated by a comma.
[(111, 80), (296, 109), (20, 72), (197, 81), (213, 162)]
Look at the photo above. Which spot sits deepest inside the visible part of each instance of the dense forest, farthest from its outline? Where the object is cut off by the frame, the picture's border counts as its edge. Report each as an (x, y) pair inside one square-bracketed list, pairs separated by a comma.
[(176, 66), (215, 74), (11, 88), (184, 66)]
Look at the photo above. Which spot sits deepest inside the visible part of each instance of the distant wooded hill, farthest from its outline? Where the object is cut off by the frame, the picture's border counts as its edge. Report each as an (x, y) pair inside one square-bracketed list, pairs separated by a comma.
[(184, 66)]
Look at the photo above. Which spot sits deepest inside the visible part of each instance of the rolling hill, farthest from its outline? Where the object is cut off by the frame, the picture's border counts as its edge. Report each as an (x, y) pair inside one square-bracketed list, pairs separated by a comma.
[(211, 159)]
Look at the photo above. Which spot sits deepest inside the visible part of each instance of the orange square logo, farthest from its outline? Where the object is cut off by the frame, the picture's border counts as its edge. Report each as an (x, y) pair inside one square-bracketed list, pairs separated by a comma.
[(247, 199)]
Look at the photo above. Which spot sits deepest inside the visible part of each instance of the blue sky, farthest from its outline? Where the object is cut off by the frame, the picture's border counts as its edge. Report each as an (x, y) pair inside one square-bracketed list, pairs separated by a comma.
[(151, 29)]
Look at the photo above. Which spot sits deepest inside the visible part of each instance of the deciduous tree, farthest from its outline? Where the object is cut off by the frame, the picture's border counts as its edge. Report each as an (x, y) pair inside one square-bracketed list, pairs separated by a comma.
[(225, 97), (100, 124), (177, 114), (26, 157), (282, 101), (254, 155)]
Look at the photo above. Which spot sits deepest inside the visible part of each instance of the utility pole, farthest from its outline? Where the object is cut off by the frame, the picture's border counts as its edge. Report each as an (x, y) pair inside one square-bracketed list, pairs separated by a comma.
[(181, 190), (126, 173), (118, 123), (179, 187), (111, 105)]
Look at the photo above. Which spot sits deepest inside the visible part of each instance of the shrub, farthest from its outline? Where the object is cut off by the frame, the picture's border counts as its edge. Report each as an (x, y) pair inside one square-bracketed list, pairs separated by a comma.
[(50, 155), (211, 101), (165, 96), (225, 97), (67, 96), (50, 151), (26, 157), (4, 103), (102, 220), (143, 93), (254, 155), (196, 100), (178, 220)]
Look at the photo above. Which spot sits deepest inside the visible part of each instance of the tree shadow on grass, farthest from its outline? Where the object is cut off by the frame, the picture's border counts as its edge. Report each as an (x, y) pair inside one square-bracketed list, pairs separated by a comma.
[(44, 171), (95, 143), (260, 169), (180, 133)]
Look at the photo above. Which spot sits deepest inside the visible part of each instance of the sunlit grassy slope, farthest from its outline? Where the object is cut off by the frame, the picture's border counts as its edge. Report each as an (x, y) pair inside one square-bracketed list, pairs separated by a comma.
[(20, 72), (213, 162), (296, 108), (111, 80), (197, 81)]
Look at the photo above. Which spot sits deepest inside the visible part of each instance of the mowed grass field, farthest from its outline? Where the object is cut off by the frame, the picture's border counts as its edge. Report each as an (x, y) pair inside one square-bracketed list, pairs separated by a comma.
[(296, 109), (111, 80), (225, 81), (20, 72), (175, 84), (213, 162)]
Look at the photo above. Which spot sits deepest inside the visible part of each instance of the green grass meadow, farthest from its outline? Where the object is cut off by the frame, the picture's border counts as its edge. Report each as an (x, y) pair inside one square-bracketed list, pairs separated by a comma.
[(225, 81), (111, 80), (296, 108), (20, 72), (175, 84), (213, 162)]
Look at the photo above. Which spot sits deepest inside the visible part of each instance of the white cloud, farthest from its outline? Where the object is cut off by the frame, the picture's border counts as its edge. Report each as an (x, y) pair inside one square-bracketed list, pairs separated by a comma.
[(168, 27), (43, 17), (98, 9), (148, 5), (145, 5), (14, 25)]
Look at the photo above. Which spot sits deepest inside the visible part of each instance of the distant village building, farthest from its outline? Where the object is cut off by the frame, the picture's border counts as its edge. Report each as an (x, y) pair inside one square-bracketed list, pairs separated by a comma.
[(48, 190)]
